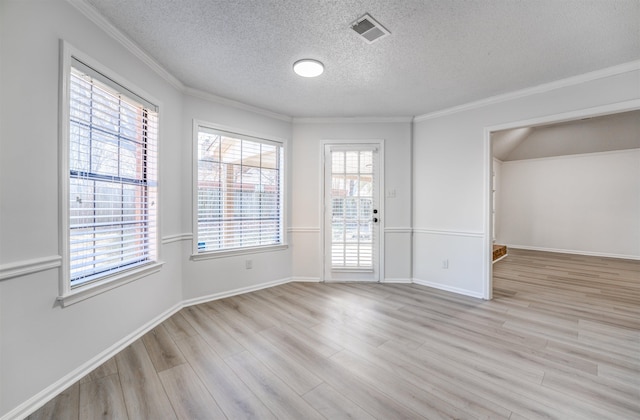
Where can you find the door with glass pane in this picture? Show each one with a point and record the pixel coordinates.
(352, 213)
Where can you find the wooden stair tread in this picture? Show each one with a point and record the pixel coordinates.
(499, 251)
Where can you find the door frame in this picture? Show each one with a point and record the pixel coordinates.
(614, 108)
(323, 205)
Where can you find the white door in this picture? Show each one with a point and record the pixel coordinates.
(352, 215)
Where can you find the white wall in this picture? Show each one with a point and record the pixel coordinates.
(450, 173)
(215, 277)
(44, 346)
(307, 196)
(42, 342)
(587, 203)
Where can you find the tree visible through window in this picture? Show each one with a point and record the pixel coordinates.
(112, 177)
(239, 191)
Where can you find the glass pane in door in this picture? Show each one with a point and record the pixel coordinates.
(352, 209)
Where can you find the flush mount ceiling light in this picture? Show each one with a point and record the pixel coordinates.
(308, 68)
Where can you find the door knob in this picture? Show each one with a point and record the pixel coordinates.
(375, 220)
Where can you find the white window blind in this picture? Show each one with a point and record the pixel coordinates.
(112, 177)
(239, 200)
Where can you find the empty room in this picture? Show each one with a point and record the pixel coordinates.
(289, 209)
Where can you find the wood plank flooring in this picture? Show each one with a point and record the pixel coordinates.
(560, 340)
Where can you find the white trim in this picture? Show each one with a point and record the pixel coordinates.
(391, 280)
(26, 267)
(177, 238)
(96, 17)
(66, 295)
(303, 229)
(449, 233)
(234, 292)
(235, 252)
(613, 108)
(381, 201)
(576, 156)
(234, 104)
(545, 87)
(575, 252)
(235, 130)
(282, 142)
(446, 288)
(398, 230)
(302, 279)
(107, 283)
(47, 394)
(41, 398)
(350, 120)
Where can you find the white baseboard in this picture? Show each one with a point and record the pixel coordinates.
(234, 292)
(306, 279)
(392, 280)
(447, 288)
(47, 394)
(575, 252)
(44, 396)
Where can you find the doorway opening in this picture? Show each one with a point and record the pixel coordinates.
(522, 127)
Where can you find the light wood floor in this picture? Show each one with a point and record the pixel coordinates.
(560, 340)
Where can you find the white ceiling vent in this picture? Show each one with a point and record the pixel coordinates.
(369, 29)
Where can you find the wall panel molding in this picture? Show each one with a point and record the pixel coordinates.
(305, 229)
(177, 238)
(398, 230)
(450, 233)
(26, 267)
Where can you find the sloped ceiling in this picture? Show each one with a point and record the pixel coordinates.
(600, 134)
(440, 53)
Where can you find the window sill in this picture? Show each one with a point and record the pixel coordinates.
(108, 283)
(244, 251)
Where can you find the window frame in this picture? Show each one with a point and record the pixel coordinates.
(246, 135)
(67, 294)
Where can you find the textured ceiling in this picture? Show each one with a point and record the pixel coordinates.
(440, 53)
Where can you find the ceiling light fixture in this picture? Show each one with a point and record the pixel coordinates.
(308, 68)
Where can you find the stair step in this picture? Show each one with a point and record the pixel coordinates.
(499, 251)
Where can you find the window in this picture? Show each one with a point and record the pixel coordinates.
(111, 190)
(239, 191)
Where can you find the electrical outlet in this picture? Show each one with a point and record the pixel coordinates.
(445, 264)
(248, 264)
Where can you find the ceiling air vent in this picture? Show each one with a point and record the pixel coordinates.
(369, 29)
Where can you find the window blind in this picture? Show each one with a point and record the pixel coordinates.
(239, 196)
(112, 177)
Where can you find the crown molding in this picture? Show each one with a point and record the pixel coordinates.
(93, 15)
(235, 104)
(96, 17)
(546, 87)
(347, 120)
